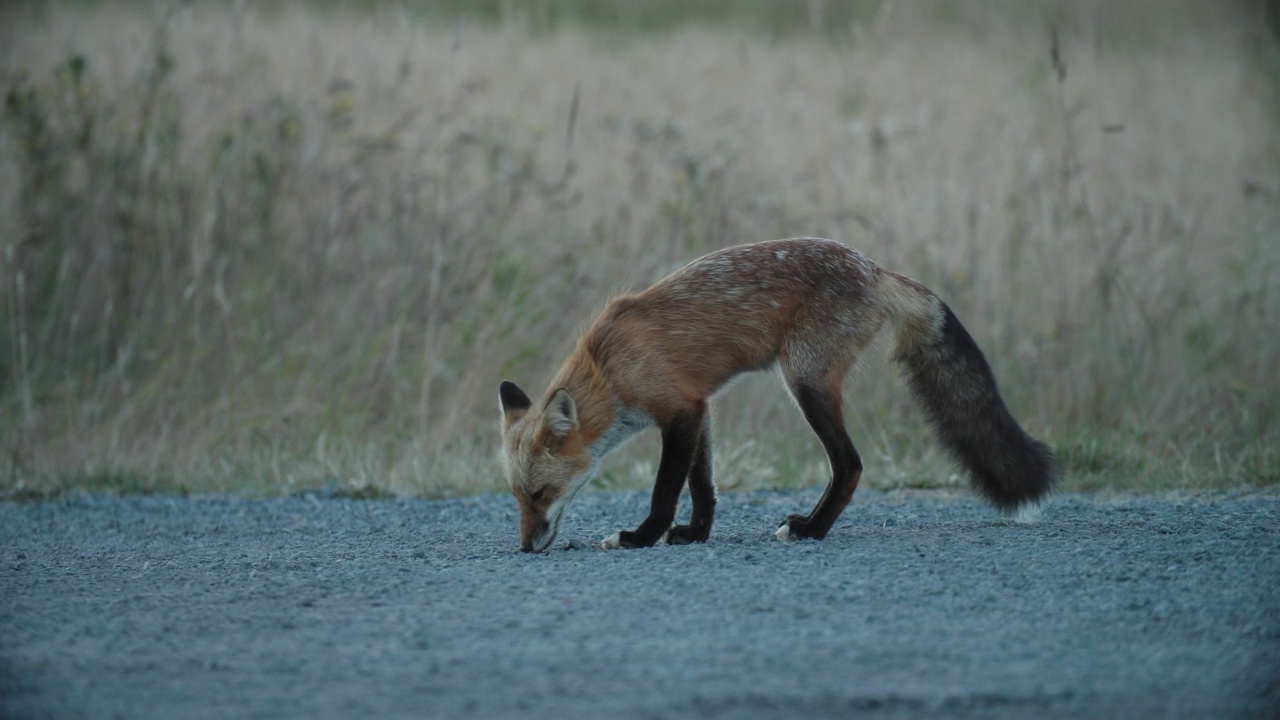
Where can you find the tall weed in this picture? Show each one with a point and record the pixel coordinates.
(279, 249)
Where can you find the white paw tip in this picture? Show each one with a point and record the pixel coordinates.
(611, 542)
(784, 532)
(666, 537)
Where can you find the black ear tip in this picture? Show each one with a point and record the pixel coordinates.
(512, 397)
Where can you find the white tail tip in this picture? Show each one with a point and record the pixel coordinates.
(1027, 513)
(783, 532)
(612, 542)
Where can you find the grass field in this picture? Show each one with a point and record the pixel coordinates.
(266, 247)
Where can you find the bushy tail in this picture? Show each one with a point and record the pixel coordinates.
(950, 377)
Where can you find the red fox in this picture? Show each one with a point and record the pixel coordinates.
(808, 306)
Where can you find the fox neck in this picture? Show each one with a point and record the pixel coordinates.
(626, 423)
(605, 423)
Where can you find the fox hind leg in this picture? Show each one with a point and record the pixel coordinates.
(702, 493)
(823, 410)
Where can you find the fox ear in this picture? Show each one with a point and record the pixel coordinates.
(561, 415)
(513, 401)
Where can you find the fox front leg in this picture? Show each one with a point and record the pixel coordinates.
(679, 445)
(702, 492)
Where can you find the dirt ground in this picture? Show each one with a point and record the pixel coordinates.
(915, 606)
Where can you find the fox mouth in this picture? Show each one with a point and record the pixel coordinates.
(545, 533)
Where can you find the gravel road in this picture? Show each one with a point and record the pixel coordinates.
(915, 606)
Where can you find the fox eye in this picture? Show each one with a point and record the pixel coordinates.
(537, 494)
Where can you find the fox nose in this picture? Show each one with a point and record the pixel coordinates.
(539, 539)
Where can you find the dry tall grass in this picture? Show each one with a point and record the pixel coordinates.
(273, 249)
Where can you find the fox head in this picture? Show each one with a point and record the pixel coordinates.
(546, 459)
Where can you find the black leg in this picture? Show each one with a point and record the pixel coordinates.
(702, 491)
(826, 417)
(679, 443)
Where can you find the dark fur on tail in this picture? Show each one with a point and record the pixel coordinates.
(950, 377)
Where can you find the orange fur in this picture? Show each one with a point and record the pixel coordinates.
(807, 305)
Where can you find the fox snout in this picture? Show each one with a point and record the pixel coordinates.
(538, 538)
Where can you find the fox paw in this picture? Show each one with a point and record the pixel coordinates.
(686, 534)
(626, 539)
(795, 527)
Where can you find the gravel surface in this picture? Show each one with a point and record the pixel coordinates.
(915, 606)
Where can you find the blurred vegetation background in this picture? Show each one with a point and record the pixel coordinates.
(267, 246)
